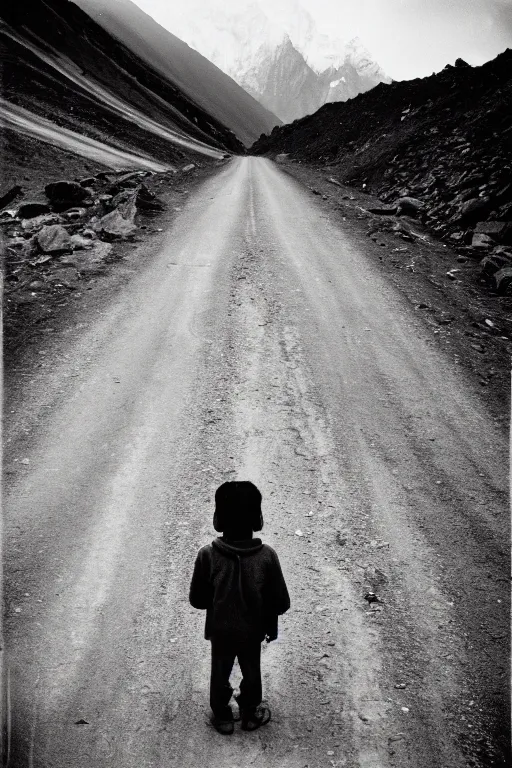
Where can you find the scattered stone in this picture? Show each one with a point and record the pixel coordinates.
(409, 206)
(8, 197)
(54, 239)
(503, 281)
(371, 597)
(188, 168)
(79, 241)
(119, 223)
(89, 261)
(31, 226)
(65, 194)
(29, 210)
(75, 213)
(472, 209)
(89, 181)
(491, 263)
(384, 211)
(494, 228)
(131, 179)
(480, 240)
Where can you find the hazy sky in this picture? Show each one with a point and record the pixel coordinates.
(408, 38)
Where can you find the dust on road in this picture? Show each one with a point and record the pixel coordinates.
(259, 344)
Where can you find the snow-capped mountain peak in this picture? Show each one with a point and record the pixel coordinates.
(274, 49)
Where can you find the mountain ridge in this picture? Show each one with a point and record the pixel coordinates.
(192, 72)
(278, 54)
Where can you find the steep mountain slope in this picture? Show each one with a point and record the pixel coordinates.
(444, 139)
(197, 77)
(59, 64)
(277, 53)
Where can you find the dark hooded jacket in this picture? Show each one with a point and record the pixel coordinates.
(242, 587)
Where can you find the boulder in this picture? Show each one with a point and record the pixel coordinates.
(34, 225)
(473, 208)
(409, 206)
(65, 194)
(503, 281)
(480, 240)
(146, 200)
(283, 157)
(90, 261)
(494, 228)
(10, 195)
(89, 181)
(188, 168)
(53, 238)
(131, 179)
(29, 210)
(493, 262)
(120, 222)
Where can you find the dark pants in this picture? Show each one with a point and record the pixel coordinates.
(223, 657)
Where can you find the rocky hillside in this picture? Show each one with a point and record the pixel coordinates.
(60, 65)
(437, 148)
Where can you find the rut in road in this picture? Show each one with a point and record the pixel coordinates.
(262, 344)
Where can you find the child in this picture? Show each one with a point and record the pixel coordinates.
(240, 583)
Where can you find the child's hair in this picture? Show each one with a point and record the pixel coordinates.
(237, 507)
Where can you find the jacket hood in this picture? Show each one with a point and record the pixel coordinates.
(238, 548)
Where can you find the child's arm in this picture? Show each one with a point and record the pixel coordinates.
(200, 595)
(280, 591)
(277, 600)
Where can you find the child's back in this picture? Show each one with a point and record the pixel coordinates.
(238, 580)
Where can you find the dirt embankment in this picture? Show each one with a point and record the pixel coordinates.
(65, 224)
(442, 143)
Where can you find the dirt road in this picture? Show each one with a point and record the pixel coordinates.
(260, 343)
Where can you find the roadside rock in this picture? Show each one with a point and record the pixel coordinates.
(79, 241)
(34, 225)
(89, 261)
(148, 201)
(282, 157)
(53, 238)
(503, 281)
(65, 194)
(381, 211)
(119, 223)
(144, 199)
(188, 168)
(73, 214)
(410, 206)
(481, 241)
(8, 197)
(472, 209)
(30, 210)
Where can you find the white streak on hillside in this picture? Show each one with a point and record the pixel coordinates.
(69, 69)
(38, 127)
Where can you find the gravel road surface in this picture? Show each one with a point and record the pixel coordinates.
(260, 343)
